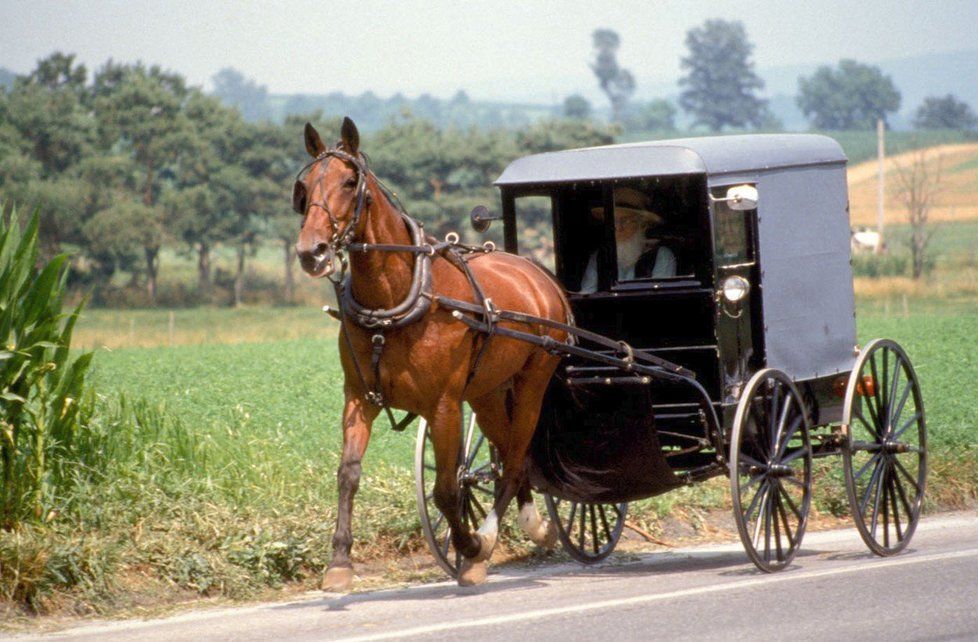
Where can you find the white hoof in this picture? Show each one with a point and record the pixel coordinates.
(540, 531)
(487, 535)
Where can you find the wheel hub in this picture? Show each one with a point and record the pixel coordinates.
(779, 470)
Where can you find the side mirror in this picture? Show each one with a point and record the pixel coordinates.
(481, 218)
(742, 197)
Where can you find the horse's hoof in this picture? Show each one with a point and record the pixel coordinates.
(549, 541)
(337, 579)
(486, 545)
(471, 572)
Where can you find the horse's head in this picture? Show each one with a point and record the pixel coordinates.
(331, 197)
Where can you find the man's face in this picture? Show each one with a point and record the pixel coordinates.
(627, 225)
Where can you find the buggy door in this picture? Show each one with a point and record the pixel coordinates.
(738, 341)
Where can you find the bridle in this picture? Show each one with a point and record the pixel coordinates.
(341, 239)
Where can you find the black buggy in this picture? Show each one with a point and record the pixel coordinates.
(739, 358)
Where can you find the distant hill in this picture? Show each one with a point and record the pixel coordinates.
(6, 77)
(372, 112)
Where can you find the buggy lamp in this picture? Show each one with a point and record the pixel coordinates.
(735, 288)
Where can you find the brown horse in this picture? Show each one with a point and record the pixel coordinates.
(425, 366)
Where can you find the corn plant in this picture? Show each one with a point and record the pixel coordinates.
(41, 386)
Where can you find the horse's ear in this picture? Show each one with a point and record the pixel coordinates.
(350, 136)
(314, 144)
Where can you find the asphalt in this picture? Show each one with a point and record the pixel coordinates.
(835, 589)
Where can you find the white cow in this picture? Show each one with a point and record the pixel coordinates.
(863, 239)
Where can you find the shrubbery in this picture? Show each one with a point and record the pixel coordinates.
(41, 385)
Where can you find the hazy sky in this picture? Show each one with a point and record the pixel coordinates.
(528, 51)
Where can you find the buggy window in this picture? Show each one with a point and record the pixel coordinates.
(732, 232)
(535, 225)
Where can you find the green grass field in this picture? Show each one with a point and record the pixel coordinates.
(214, 463)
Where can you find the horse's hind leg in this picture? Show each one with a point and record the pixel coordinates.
(527, 396)
(358, 416)
(541, 532)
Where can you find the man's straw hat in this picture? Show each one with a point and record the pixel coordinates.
(631, 202)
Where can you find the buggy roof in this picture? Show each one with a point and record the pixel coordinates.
(710, 155)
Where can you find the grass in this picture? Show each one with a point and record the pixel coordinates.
(99, 328)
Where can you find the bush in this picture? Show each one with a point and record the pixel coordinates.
(41, 388)
(877, 265)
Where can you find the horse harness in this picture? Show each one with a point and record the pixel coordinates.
(419, 298)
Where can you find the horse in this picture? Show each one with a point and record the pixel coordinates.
(419, 357)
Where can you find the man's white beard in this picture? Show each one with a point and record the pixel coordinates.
(629, 251)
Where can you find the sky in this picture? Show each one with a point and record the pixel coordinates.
(529, 51)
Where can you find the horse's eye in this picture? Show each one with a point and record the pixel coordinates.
(299, 197)
(350, 183)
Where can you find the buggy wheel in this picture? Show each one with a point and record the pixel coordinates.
(885, 455)
(478, 472)
(771, 469)
(588, 532)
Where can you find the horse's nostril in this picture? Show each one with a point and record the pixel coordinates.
(321, 249)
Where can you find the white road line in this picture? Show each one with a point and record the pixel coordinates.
(658, 597)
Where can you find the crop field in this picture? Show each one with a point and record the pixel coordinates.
(291, 389)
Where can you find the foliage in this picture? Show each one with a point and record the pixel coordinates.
(656, 115)
(877, 265)
(576, 106)
(41, 387)
(616, 82)
(852, 96)
(720, 84)
(944, 112)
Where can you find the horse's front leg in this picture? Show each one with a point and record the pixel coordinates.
(358, 417)
(447, 439)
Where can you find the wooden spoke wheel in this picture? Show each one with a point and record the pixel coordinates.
(588, 532)
(771, 469)
(478, 471)
(885, 455)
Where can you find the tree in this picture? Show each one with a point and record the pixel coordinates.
(194, 204)
(250, 98)
(919, 186)
(657, 115)
(617, 83)
(58, 70)
(577, 106)
(853, 96)
(46, 107)
(720, 83)
(944, 113)
(141, 110)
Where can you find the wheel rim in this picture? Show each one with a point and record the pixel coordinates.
(478, 472)
(588, 532)
(885, 457)
(771, 470)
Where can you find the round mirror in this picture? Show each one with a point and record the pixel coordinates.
(480, 218)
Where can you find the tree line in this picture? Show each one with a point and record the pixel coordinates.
(130, 159)
(720, 90)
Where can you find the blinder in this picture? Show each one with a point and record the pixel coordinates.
(299, 197)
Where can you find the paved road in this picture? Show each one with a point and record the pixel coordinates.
(835, 590)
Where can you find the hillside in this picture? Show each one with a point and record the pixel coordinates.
(957, 199)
